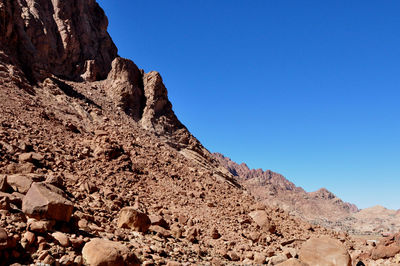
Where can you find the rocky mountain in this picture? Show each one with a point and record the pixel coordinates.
(96, 169)
(274, 189)
(319, 207)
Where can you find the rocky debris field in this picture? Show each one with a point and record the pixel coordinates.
(96, 169)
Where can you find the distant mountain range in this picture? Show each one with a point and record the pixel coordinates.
(319, 207)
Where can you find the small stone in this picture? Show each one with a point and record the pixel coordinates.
(29, 237)
(259, 258)
(49, 260)
(176, 231)
(233, 256)
(39, 226)
(61, 238)
(3, 239)
(3, 183)
(25, 157)
(192, 234)
(21, 183)
(277, 259)
(215, 234)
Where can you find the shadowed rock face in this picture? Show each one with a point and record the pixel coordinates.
(64, 38)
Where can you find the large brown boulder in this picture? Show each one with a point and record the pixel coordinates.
(45, 201)
(102, 252)
(22, 182)
(388, 247)
(131, 218)
(324, 251)
(385, 252)
(262, 220)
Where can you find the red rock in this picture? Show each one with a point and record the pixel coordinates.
(47, 201)
(131, 218)
(39, 226)
(22, 183)
(29, 237)
(191, 234)
(99, 252)
(385, 252)
(324, 251)
(3, 239)
(215, 234)
(158, 220)
(61, 238)
(261, 218)
(3, 183)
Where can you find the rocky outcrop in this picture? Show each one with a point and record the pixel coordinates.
(125, 87)
(66, 38)
(158, 107)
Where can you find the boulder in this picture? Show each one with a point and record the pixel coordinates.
(102, 252)
(22, 182)
(3, 239)
(324, 251)
(13, 198)
(160, 231)
(30, 157)
(131, 218)
(42, 226)
(3, 183)
(259, 258)
(261, 218)
(61, 238)
(158, 220)
(45, 201)
(385, 252)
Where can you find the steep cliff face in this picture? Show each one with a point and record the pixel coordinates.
(68, 39)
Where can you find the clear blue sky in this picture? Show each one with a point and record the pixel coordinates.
(309, 89)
